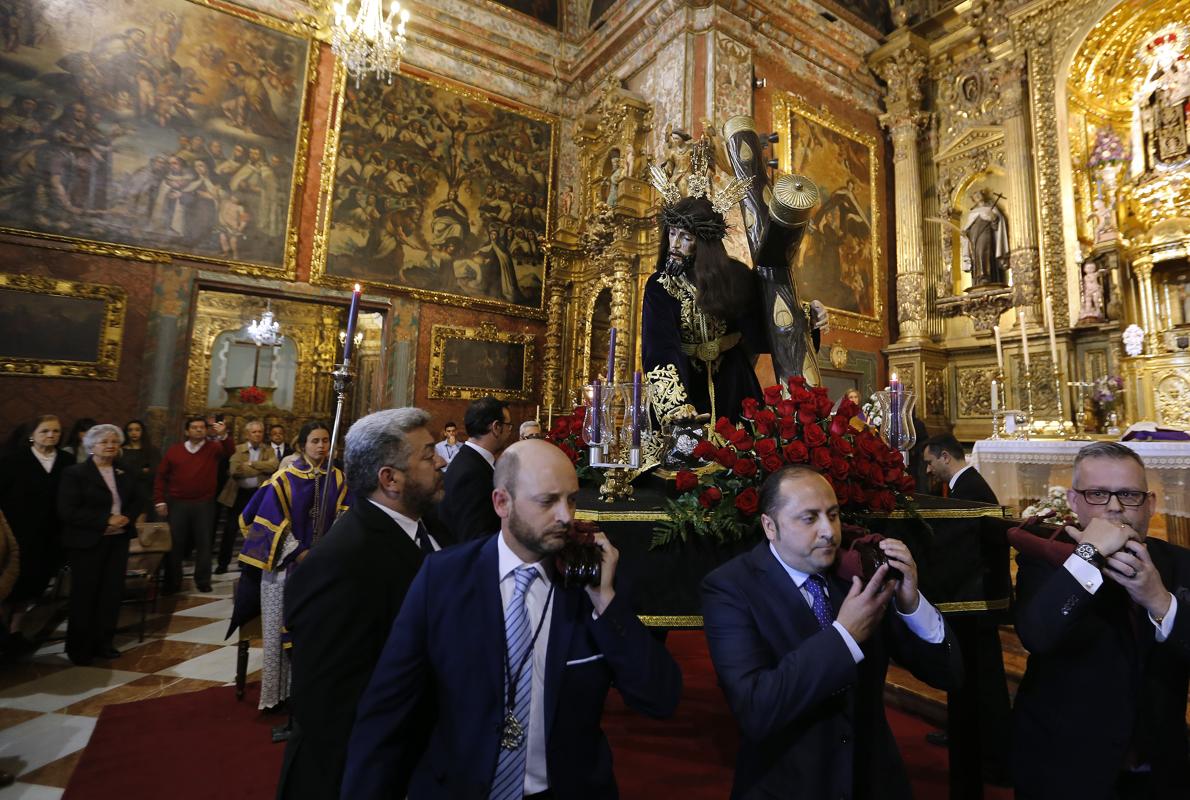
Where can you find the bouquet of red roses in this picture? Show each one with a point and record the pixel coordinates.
(567, 433)
(796, 424)
(251, 395)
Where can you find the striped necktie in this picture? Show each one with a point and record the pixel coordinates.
(509, 783)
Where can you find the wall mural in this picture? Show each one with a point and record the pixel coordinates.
(839, 260)
(436, 191)
(165, 125)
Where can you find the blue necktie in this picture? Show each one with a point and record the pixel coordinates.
(816, 586)
(509, 783)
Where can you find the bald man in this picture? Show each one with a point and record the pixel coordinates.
(516, 666)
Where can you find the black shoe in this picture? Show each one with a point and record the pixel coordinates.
(938, 738)
(281, 733)
(221, 569)
(205, 588)
(78, 660)
(6, 778)
(107, 652)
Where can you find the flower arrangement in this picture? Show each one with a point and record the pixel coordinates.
(871, 411)
(1053, 508)
(1106, 391)
(251, 395)
(1108, 150)
(567, 433)
(796, 424)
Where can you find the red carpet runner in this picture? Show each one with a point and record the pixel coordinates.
(205, 744)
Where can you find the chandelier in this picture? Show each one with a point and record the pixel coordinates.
(368, 42)
(265, 332)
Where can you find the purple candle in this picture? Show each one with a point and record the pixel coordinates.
(636, 410)
(611, 356)
(596, 410)
(352, 318)
(894, 422)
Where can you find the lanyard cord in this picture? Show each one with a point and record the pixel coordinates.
(513, 680)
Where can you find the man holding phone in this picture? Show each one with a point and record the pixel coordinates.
(801, 655)
(1101, 711)
(184, 491)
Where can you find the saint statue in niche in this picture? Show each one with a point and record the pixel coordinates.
(1092, 290)
(614, 179)
(985, 240)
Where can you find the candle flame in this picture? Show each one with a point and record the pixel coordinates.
(893, 378)
(357, 288)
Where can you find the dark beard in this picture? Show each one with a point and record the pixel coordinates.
(675, 265)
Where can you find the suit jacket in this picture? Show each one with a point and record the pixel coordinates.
(811, 720)
(448, 644)
(85, 504)
(1098, 684)
(466, 505)
(286, 450)
(240, 466)
(340, 603)
(972, 486)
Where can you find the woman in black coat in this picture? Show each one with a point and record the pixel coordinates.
(29, 477)
(98, 504)
(140, 458)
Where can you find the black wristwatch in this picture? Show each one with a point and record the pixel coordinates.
(1087, 552)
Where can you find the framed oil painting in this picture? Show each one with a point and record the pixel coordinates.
(470, 363)
(57, 328)
(436, 191)
(160, 127)
(839, 261)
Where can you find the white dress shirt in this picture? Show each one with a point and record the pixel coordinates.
(487, 456)
(1089, 576)
(193, 448)
(955, 477)
(925, 622)
(408, 525)
(536, 774)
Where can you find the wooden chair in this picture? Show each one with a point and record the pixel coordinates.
(142, 577)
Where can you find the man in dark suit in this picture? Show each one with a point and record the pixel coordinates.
(516, 665)
(979, 713)
(278, 444)
(946, 461)
(466, 507)
(802, 656)
(1101, 711)
(341, 600)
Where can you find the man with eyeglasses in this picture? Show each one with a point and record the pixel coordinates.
(467, 506)
(1101, 711)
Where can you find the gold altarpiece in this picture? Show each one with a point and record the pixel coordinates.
(1008, 97)
(601, 250)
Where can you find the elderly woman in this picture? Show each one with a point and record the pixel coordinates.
(280, 524)
(98, 504)
(29, 477)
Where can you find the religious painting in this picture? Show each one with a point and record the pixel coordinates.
(57, 328)
(469, 363)
(165, 127)
(436, 191)
(839, 260)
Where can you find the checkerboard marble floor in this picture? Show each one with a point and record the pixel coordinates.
(48, 706)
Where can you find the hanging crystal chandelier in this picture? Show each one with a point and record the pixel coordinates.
(368, 42)
(265, 332)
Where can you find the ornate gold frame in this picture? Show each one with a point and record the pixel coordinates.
(486, 332)
(107, 366)
(301, 29)
(326, 189)
(787, 103)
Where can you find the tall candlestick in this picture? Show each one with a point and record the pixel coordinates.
(611, 356)
(1021, 314)
(352, 318)
(999, 349)
(596, 412)
(1049, 324)
(636, 410)
(995, 397)
(537, 414)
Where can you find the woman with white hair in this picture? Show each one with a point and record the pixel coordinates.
(97, 504)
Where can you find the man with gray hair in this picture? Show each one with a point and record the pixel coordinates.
(249, 468)
(1101, 711)
(341, 600)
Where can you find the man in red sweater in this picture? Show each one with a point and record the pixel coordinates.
(187, 481)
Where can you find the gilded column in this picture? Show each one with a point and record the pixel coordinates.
(621, 311)
(903, 72)
(1022, 223)
(552, 360)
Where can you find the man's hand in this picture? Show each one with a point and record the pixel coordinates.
(1132, 567)
(117, 521)
(162, 509)
(864, 606)
(220, 429)
(900, 558)
(601, 595)
(1107, 537)
(818, 315)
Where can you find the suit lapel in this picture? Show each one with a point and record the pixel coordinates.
(797, 616)
(491, 623)
(563, 624)
(383, 525)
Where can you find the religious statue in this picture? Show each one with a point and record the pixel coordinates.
(630, 161)
(614, 179)
(1092, 290)
(985, 240)
(676, 160)
(566, 201)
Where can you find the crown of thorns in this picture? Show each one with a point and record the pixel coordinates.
(706, 229)
(698, 182)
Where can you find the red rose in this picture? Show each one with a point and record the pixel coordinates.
(859, 495)
(771, 463)
(726, 456)
(824, 405)
(742, 441)
(685, 480)
(748, 501)
(750, 407)
(569, 451)
(709, 496)
(847, 408)
(704, 450)
(787, 429)
(841, 445)
(772, 395)
(892, 477)
(839, 425)
(908, 484)
(765, 447)
(839, 468)
(766, 416)
(800, 396)
(787, 408)
(796, 381)
(871, 444)
(807, 415)
(745, 468)
(795, 452)
(813, 435)
(820, 458)
(763, 428)
(882, 501)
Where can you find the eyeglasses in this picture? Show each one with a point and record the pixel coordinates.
(1101, 497)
